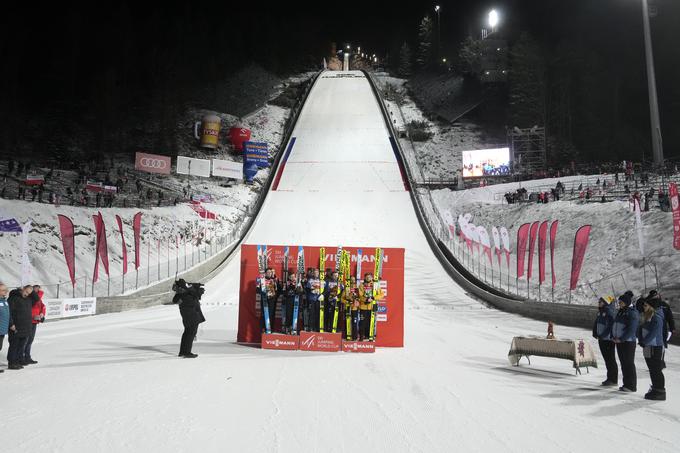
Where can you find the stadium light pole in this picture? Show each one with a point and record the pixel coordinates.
(657, 143)
(437, 8)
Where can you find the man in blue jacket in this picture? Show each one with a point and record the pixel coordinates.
(651, 340)
(624, 333)
(602, 330)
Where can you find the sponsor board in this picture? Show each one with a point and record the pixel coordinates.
(68, 308)
(316, 341)
(152, 163)
(227, 169)
(281, 342)
(358, 346)
(193, 167)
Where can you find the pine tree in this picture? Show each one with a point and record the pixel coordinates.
(470, 56)
(405, 60)
(424, 56)
(527, 83)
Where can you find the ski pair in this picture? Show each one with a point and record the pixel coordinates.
(348, 306)
(262, 260)
(377, 274)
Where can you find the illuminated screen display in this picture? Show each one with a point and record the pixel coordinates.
(486, 162)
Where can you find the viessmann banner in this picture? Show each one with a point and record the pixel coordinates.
(390, 319)
(227, 169)
(152, 163)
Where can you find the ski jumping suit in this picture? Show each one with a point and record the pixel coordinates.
(332, 299)
(312, 304)
(290, 290)
(268, 286)
(350, 299)
(366, 302)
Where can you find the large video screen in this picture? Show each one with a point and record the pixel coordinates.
(486, 162)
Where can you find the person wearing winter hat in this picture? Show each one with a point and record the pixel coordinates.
(602, 330)
(624, 332)
(669, 322)
(651, 339)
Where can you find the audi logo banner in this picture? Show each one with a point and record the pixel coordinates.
(152, 163)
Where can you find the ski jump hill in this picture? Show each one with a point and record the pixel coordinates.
(114, 382)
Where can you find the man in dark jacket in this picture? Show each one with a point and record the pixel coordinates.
(20, 306)
(188, 297)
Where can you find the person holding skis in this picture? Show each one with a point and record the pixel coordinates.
(350, 299)
(602, 330)
(624, 334)
(268, 287)
(366, 302)
(331, 293)
(314, 292)
(290, 290)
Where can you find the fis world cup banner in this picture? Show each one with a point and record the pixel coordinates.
(390, 315)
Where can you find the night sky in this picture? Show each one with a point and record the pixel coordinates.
(47, 50)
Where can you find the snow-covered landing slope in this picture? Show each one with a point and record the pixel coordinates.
(114, 382)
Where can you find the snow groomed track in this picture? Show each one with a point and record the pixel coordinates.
(114, 382)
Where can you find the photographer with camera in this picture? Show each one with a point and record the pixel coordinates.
(188, 296)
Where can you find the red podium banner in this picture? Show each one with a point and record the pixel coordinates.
(323, 342)
(390, 317)
(281, 342)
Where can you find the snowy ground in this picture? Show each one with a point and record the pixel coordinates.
(114, 382)
(441, 156)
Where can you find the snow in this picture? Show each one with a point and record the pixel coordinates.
(113, 381)
(441, 156)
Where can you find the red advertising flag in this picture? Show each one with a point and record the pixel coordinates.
(553, 237)
(675, 207)
(532, 247)
(103, 247)
(542, 236)
(137, 230)
(98, 233)
(152, 163)
(580, 245)
(68, 242)
(522, 236)
(122, 238)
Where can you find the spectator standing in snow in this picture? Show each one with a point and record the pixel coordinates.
(668, 321)
(624, 333)
(651, 340)
(188, 297)
(37, 316)
(20, 325)
(602, 330)
(4, 315)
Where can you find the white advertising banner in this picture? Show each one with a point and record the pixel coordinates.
(193, 167)
(67, 308)
(227, 169)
